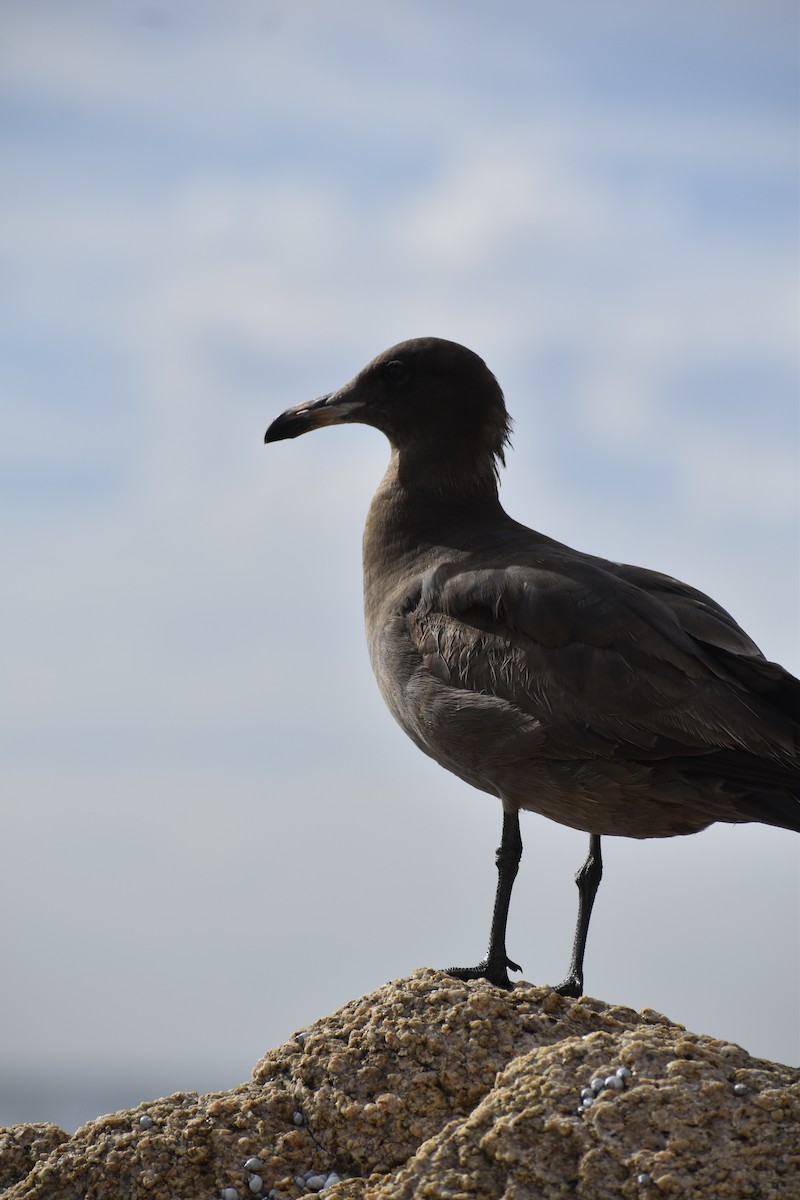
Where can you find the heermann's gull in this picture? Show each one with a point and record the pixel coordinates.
(608, 697)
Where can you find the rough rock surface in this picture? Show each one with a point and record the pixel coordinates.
(430, 1087)
(24, 1146)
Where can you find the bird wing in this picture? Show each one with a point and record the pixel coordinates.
(608, 660)
(698, 615)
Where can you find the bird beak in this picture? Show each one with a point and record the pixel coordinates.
(327, 410)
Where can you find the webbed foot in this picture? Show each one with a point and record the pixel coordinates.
(496, 972)
(572, 986)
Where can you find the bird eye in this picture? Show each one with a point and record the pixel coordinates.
(395, 371)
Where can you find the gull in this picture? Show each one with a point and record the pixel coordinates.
(607, 697)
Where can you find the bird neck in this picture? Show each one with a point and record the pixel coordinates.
(451, 471)
(415, 512)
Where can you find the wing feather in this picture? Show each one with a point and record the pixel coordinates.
(610, 659)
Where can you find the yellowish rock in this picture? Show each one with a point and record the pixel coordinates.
(433, 1087)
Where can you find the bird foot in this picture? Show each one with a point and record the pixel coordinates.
(572, 986)
(494, 971)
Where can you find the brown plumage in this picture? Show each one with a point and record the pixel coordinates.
(607, 697)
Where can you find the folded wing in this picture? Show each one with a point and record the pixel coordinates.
(611, 660)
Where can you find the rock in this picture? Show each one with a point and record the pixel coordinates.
(23, 1146)
(432, 1087)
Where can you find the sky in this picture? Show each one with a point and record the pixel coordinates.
(213, 832)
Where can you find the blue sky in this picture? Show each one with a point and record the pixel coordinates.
(214, 833)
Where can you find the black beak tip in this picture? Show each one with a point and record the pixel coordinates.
(280, 429)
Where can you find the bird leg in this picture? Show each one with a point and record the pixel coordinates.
(495, 966)
(588, 881)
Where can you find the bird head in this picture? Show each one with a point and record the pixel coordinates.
(436, 402)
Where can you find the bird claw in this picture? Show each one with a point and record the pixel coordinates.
(494, 972)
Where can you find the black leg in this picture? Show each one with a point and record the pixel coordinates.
(495, 966)
(588, 881)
